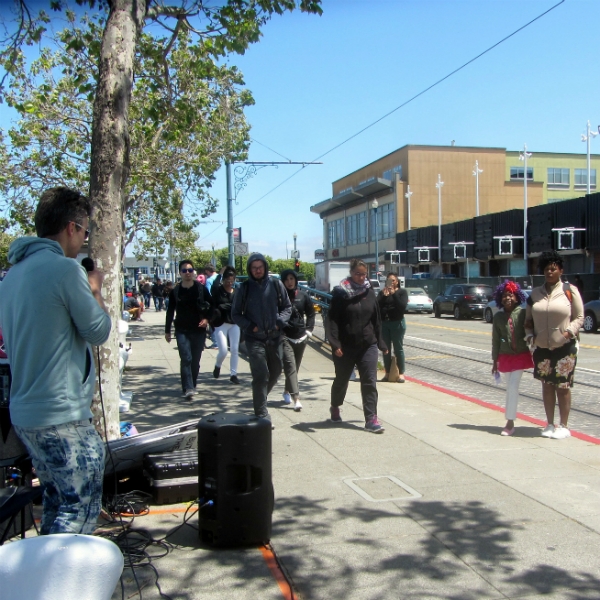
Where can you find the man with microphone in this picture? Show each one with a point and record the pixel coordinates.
(50, 355)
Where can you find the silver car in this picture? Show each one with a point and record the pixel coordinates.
(419, 301)
(591, 316)
(491, 309)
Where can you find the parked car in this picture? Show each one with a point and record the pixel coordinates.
(376, 285)
(591, 316)
(418, 301)
(491, 309)
(463, 300)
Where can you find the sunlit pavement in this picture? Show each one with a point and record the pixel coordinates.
(439, 506)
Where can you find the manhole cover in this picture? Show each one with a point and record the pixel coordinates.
(383, 488)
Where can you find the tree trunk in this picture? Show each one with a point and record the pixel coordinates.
(108, 176)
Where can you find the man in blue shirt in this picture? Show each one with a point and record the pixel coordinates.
(50, 355)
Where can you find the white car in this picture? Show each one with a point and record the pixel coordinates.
(491, 309)
(419, 301)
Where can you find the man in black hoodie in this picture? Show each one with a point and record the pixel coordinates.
(262, 308)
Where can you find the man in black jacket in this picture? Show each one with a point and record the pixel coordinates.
(261, 308)
(193, 305)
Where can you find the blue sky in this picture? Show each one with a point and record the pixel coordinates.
(318, 80)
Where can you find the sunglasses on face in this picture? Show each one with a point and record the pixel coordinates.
(86, 231)
(187, 270)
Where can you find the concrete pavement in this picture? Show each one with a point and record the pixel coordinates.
(439, 506)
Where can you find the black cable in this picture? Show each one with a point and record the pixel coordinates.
(405, 103)
(269, 547)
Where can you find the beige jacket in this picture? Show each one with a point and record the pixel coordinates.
(551, 315)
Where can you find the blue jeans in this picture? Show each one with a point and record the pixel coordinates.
(69, 461)
(266, 364)
(158, 302)
(190, 345)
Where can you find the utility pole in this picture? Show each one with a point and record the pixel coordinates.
(588, 137)
(407, 196)
(524, 156)
(476, 173)
(439, 186)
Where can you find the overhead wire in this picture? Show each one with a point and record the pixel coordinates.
(405, 103)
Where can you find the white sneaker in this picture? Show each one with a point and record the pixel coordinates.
(189, 394)
(297, 406)
(560, 433)
(287, 399)
(548, 431)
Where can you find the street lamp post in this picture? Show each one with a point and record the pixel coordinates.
(588, 137)
(375, 206)
(439, 186)
(524, 156)
(407, 196)
(476, 173)
(295, 237)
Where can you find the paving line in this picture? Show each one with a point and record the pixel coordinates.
(576, 434)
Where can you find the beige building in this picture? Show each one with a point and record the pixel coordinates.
(349, 217)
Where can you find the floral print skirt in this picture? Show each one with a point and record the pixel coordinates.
(556, 367)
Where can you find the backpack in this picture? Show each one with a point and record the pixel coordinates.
(203, 306)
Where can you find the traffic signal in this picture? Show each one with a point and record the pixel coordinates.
(297, 266)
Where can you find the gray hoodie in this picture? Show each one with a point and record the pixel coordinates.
(49, 318)
(261, 303)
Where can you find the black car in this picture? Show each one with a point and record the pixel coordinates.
(463, 300)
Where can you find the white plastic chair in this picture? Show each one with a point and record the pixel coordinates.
(61, 566)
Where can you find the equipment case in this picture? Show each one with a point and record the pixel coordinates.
(173, 476)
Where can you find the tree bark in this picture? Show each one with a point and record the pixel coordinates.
(108, 175)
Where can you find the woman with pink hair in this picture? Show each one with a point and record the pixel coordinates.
(510, 352)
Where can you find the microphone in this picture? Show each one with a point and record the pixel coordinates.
(88, 264)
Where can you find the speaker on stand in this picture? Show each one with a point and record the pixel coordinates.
(234, 476)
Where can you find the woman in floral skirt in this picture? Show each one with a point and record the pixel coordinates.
(554, 317)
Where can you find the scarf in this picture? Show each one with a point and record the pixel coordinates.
(354, 289)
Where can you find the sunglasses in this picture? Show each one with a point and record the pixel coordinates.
(187, 270)
(86, 231)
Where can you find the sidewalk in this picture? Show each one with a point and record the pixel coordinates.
(439, 506)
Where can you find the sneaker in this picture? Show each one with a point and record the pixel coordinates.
(506, 431)
(548, 431)
(234, 379)
(297, 406)
(216, 372)
(560, 433)
(287, 399)
(189, 394)
(334, 411)
(373, 425)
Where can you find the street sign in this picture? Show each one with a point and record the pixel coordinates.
(240, 248)
(237, 234)
(295, 253)
(319, 254)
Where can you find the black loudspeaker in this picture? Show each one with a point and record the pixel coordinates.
(234, 474)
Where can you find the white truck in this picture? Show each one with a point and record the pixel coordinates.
(329, 274)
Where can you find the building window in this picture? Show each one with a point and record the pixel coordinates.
(581, 178)
(335, 233)
(357, 228)
(558, 177)
(518, 173)
(391, 172)
(386, 221)
(144, 270)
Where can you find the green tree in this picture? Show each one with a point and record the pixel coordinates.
(131, 29)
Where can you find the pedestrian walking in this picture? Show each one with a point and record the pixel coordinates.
(52, 365)
(191, 305)
(354, 332)
(146, 290)
(510, 353)
(554, 317)
(225, 328)
(157, 295)
(392, 304)
(262, 308)
(295, 336)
